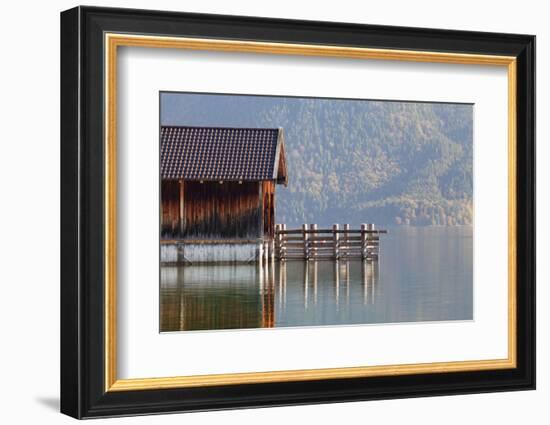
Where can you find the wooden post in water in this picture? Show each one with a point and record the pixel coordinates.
(372, 248)
(277, 240)
(314, 242)
(309, 242)
(283, 244)
(346, 239)
(306, 243)
(364, 238)
(336, 241)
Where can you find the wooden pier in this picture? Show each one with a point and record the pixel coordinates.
(312, 243)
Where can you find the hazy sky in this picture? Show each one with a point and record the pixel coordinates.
(198, 109)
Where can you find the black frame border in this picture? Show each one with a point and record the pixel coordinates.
(82, 212)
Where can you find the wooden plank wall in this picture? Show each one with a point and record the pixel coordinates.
(211, 211)
(268, 207)
(170, 215)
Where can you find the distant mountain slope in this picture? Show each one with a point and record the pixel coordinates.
(355, 161)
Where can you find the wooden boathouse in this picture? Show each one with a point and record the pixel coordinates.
(218, 192)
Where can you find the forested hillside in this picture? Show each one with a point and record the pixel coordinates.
(355, 161)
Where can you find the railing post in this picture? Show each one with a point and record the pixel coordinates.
(314, 242)
(336, 240)
(283, 243)
(260, 255)
(364, 237)
(372, 248)
(306, 244)
(277, 241)
(346, 240)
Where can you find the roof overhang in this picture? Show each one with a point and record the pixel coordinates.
(280, 174)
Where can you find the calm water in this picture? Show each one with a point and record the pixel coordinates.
(423, 274)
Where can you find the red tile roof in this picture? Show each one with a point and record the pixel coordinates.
(220, 153)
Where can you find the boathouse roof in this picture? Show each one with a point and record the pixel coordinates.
(222, 153)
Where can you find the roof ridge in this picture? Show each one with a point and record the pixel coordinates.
(221, 127)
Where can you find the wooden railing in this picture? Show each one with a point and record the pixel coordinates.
(309, 242)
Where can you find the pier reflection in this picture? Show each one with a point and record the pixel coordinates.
(275, 294)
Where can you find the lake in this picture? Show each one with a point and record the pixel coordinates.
(423, 274)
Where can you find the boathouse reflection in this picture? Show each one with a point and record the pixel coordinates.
(241, 296)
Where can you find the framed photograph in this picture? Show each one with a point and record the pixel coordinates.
(261, 212)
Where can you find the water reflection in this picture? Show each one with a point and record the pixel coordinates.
(248, 296)
(422, 275)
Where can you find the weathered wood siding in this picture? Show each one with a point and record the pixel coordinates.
(211, 210)
(170, 215)
(268, 208)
